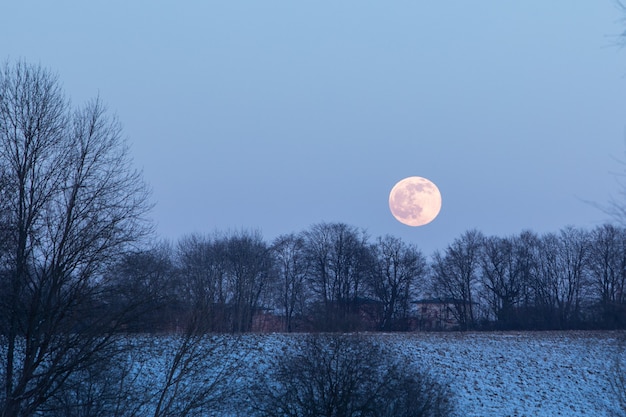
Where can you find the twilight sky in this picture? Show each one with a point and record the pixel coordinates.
(275, 115)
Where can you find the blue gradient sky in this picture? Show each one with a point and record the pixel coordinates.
(275, 115)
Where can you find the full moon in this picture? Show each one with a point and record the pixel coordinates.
(415, 201)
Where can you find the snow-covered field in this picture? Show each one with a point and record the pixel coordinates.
(504, 373)
(522, 374)
(512, 373)
(500, 374)
(491, 374)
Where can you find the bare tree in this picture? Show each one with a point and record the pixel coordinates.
(229, 275)
(455, 276)
(203, 270)
(251, 274)
(528, 255)
(399, 268)
(607, 265)
(345, 376)
(73, 204)
(340, 261)
(292, 268)
(502, 277)
(563, 276)
(147, 279)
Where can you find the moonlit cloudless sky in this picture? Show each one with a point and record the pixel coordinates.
(276, 115)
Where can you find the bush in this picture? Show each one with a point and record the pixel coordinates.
(347, 375)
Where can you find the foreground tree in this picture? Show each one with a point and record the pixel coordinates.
(72, 203)
(200, 370)
(616, 377)
(345, 376)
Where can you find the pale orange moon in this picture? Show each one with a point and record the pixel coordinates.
(415, 201)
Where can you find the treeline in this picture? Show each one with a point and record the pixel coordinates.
(570, 279)
(334, 277)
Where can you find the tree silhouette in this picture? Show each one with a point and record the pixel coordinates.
(72, 203)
